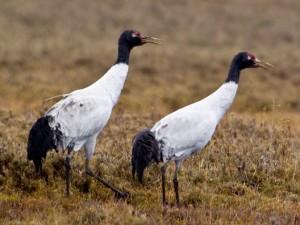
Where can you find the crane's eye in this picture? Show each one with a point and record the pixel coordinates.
(250, 57)
(135, 34)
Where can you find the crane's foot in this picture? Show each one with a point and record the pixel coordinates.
(118, 194)
(122, 194)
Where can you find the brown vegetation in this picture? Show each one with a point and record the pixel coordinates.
(248, 174)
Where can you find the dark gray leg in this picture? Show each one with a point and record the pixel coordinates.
(89, 150)
(118, 193)
(163, 175)
(68, 168)
(175, 182)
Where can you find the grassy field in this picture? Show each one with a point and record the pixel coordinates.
(248, 174)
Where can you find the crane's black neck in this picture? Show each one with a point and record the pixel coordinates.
(234, 74)
(123, 53)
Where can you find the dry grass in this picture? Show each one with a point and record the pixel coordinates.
(248, 174)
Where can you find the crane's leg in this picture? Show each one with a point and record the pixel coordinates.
(163, 176)
(89, 150)
(175, 181)
(118, 193)
(68, 168)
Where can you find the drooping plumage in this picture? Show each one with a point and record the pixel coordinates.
(39, 142)
(187, 130)
(145, 149)
(76, 120)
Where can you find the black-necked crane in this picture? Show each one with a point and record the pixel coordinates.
(76, 120)
(187, 130)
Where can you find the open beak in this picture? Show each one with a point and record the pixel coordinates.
(152, 40)
(265, 65)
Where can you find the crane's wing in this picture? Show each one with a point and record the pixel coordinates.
(80, 117)
(185, 129)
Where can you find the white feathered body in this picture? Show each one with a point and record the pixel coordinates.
(80, 116)
(189, 129)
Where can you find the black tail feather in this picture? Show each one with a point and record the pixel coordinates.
(145, 151)
(40, 141)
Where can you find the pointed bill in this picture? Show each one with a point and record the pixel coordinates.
(265, 65)
(152, 40)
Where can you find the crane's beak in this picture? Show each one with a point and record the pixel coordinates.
(152, 40)
(265, 65)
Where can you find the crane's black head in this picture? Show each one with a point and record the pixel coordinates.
(245, 60)
(130, 39)
(134, 38)
(242, 61)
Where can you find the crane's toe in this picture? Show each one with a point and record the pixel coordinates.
(122, 194)
(89, 172)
